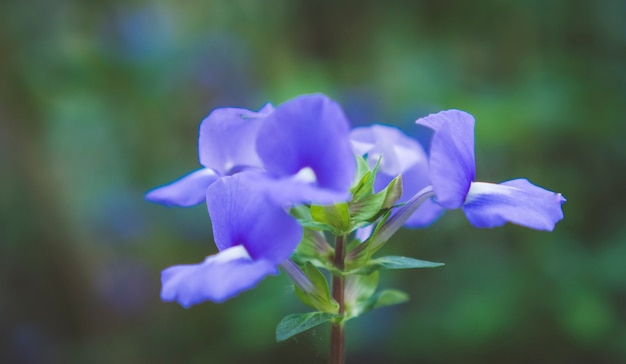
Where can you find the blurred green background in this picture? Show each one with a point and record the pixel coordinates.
(100, 101)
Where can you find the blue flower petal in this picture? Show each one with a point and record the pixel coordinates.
(243, 214)
(399, 152)
(413, 181)
(452, 167)
(364, 233)
(187, 191)
(517, 201)
(309, 131)
(228, 138)
(217, 279)
(293, 190)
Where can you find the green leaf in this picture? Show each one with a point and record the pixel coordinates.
(303, 214)
(361, 296)
(362, 266)
(393, 192)
(360, 255)
(360, 287)
(313, 245)
(387, 297)
(396, 262)
(294, 324)
(337, 216)
(358, 292)
(362, 169)
(315, 225)
(319, 300)
(365, 187)
(370, 208)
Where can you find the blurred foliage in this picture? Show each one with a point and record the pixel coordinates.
(100, 101)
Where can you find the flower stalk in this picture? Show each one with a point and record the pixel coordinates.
(337, 333)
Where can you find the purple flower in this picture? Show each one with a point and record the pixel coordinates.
(399, 154)
(227, 144)
(452, 172)
(305, 147)
(302, 147)
(253, 236)
(256, 165)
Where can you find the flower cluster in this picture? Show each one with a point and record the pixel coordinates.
(276, 179)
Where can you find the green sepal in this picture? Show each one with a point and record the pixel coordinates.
(393, 262)
(361, 295)
(362, 253)
(312, 247)
(387, 297)
(294, 324)
(370, 208)
(358, 292)
(336, 216)
(365, 186)
(303, 214)
(362, 168)
(320, 300)
(314, 225)
(397, 262)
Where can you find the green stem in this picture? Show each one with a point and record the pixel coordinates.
(337, 334)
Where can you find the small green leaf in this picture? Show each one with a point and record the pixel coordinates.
(294, 324)
(310, 224)
(313, 245)
(360, 287)
(337, 216)
(364, 266)
(393, 192)
(319, 300)
(370, 208)
(365, 187)
(387, 297)
(303, 214)
(361, 254)
(362, 168)
(396, 262)
(358, 292)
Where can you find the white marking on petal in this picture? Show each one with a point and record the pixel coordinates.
(306, 175)
(360, 148)
(478, 189)
(228, 165)
(228, 255)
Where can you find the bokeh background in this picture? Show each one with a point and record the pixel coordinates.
(100, 101)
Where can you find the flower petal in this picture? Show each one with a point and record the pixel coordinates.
(452, 167)
(308, 131)
(227, 138)
(288, 192)
(413, 181)
(242, 214)
(364, 233)
(187, 191)
(217, 279)
(399, 152)
(517, 201)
